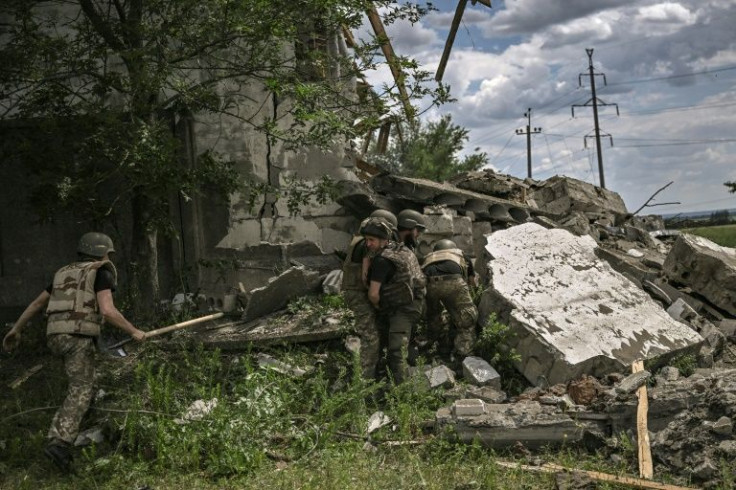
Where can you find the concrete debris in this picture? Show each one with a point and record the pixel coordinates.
(562, 195)
(266, 361)
(570, 312)
(89, 436)
(489, 182)
(293, 283)
(633, 382)
(198, 410)
(722, 426)
(707, 268)
(426, 192)
(332, 283)
(501, 426)
(440, 376)
(376, 421)
(637, 254)
(469, 407)
(352, 344)
(478, 372)
(488, 394)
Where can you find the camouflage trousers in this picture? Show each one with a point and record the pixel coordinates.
(397, 324)
(78, 354)
(366, 328)
(453, 293)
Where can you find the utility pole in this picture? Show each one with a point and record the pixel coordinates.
(528, 132)
(594, 102)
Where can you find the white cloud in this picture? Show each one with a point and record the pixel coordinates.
(529, 55)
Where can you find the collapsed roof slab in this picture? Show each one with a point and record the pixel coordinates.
(570, 313)
(427, 193)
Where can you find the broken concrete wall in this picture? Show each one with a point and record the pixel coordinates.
(247, 240)
(707, 268)
(570, 312)
(562, 195)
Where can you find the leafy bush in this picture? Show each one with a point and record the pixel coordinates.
(493, 346)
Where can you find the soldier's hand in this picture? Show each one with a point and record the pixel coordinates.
(139, 335)
(11, 340)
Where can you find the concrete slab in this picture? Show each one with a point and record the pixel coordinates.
(570, 312)
(706, 267)
(501, 426)
(295, 282)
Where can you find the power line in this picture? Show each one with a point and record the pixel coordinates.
(673, 77)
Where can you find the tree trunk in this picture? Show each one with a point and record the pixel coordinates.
(144, 258)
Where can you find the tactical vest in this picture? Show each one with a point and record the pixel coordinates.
(352, 272)
(407, 283)
(73, 305)
(451, 254)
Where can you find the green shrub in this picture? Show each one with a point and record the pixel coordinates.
(493, 346)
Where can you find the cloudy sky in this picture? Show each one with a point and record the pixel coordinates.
(670, 67)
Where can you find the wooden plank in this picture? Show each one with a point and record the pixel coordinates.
(450, 39)
(388, 52)
(383, 134)
(595, 475)
(24, 377)
(646, 467)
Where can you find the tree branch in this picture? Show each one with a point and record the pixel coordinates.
(101, 26)
(652, 197)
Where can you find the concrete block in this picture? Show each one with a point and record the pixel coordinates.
(633, 382)
(439, 224)
(440, 376)
(469, 407)
(478, 372)
(707, 268)
(572, 312)
(505, 425)
(462, 225)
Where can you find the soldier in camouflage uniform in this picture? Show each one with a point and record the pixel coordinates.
(355, 291)
(77, 303)
(396, 289)
(448, 270)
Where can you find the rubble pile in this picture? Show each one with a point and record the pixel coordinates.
(586, 289)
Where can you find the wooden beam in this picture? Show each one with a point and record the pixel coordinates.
(349, 39)
(646, 468)
(383, 134)
(366, 142)
(595, 475)
(388, 52)
(450, 39)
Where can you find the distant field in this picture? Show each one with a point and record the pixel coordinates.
(722, 235)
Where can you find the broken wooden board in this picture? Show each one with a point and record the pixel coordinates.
(280, 328)
(646, 468)
(594, 475)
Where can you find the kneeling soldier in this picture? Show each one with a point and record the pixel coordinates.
(447, 272)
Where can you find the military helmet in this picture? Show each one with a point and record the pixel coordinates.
(95, 244)
(410, 219)
(376, 227)
(385, 215)
(444, 244)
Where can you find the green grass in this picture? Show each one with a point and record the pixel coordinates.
(724, 235)
(268, 430)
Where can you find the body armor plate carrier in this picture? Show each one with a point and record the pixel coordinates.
(408, 283)
(452, 254)
(73, 305)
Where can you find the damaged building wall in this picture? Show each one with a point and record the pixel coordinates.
(220, 244)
